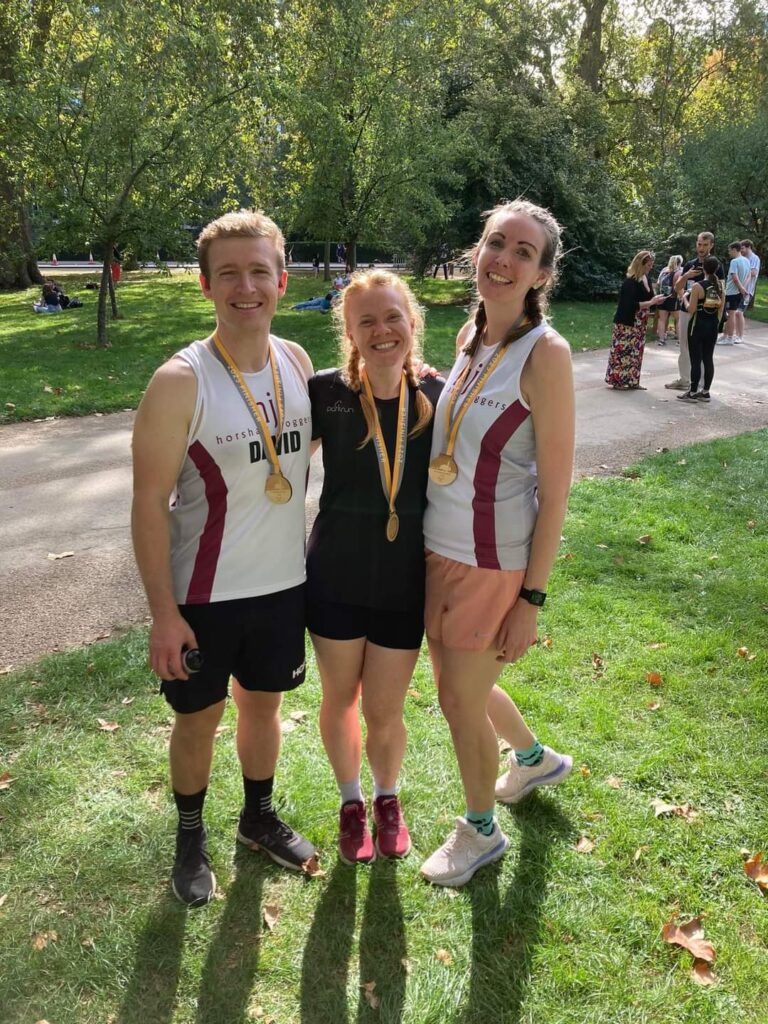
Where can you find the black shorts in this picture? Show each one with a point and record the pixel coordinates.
(258, 640)
(668, 305)
(734, 301)
(399, 631)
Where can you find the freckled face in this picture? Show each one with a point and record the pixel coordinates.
(508, 261)
(380, 326)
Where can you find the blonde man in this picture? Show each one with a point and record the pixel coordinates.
(223, 434)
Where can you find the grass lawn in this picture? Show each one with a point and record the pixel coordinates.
(50, 367)
(89, 932)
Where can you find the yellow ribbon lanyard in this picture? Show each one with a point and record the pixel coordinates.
(391, 477)
(278, 489)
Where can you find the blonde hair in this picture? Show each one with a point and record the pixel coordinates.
(239, 224)
(349, 355)
(536, 305)
(635, 268)
(675, 262)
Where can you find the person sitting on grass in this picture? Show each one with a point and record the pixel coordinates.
(49, 303)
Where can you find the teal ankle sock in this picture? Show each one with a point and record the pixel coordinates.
(481, 820)
(531, 755)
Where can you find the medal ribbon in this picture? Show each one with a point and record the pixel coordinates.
(245, 393)
(391, 478)
(452, 423)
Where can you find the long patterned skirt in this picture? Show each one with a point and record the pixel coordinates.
(626, 355)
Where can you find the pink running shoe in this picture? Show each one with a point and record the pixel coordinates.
(355, 842)
(392, 836)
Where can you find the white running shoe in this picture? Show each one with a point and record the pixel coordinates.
(738, 340)
(518, 780)
(464, 851)
(725, 340)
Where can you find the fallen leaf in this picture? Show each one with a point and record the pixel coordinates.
(271, 914)
(742, 651)
(585, 771)
(10, 405)
(691, 937)
(654, 678)
(5, 670)
(298, 716)
(645, 539)
(751, 657)
(406, 964)
(614, 783)
(663, 809)
(6, 779)
(312, 868)
(654, 705)
(257, 1013)
(372, 1000)
(288, 725)
(682, 462)
(414, 693)
(546, 642)
(757, 869)
(127, 700)
(703, 974)
(88, 943)
(619, 560)
(119, 774)
(639, 853)
(714, 558)
(3, 898)
(661, 450)
(41, 939)
(603, 546)
(751, 524)
(107, 726)
(567, 556)
(48, 389)
(585, 845)
(603, 466)
(63, 554)
(444, 956)
(597, 662)
(656, 647)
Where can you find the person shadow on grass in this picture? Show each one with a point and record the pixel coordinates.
(506, 927)
(151, 994)
(327, 954)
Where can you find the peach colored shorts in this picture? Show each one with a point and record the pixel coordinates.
(465, 606)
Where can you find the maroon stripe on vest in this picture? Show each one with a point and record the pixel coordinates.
(209, 545)
(486, 475)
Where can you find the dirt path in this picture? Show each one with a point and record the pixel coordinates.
(65, 486)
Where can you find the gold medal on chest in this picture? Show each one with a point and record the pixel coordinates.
(393, 525)
(278, 489)
(443, 470)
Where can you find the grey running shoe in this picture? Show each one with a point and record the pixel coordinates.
(677, 385)
(276, 839)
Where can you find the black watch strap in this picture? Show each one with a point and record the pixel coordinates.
(537, 597)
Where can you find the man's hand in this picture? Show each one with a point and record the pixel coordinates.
(168, 636)
(518, 632)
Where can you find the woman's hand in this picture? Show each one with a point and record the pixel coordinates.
(518, 632)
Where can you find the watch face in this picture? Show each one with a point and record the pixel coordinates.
(537, 597)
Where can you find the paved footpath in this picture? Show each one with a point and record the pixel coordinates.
(65, 486)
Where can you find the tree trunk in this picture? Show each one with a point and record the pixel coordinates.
(102, 339)
(591, 57)
(352, 256)
(18, 264)
(327, 262)
(112, 296)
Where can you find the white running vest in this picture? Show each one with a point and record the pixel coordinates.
(228, 540)
(487, 515)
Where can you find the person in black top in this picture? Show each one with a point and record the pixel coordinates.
(636, 298)
(365, 557)
(705, 306)
(705, 243)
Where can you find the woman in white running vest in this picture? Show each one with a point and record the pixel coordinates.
(502, 459)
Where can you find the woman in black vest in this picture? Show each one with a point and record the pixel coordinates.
(705, 305)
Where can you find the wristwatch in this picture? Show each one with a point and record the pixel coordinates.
(537, 597)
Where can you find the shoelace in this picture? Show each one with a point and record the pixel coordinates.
(354, 822)
(390, 812)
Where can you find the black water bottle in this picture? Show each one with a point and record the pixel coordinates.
(192, 660)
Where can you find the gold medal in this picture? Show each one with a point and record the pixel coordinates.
(393, 525)
(278, 489)
(443, 470)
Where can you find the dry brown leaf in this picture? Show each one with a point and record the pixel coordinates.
(64, 554)
(567, 556)
(88, 943)
(406, 964)
(586, 771)
(603, 546)
(654, 678)
(742, 651)
(546, 641)
(3, 898)
(41, 939)
(370, 998)
(48, 389)
(312, 868)
(691, 937)
(271, 914)
(751, 657)
(119, 774)
(703, 974)
(106, 726)
(662, 809)
(597, 662)
(639, 853)
(5, 670)
(654, 705)
(656, 646)
(444, 956)
(645, 539)
(6, 779)
(614, 782)
(41, 1022)
(127, 700)
(288, 725)
(682, 462)
(585, 845)
(414, 693)
(751, 524)
(757, 869)
(298, 716)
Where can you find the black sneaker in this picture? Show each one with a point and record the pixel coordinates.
(275, 838)
(687, 396)
(703, 396)
(192, 879)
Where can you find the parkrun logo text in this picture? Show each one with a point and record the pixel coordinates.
(289, 442)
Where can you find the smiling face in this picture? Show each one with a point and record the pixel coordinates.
(379, 325)
(508, 259)
(244, 283)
